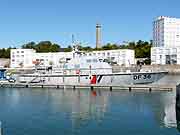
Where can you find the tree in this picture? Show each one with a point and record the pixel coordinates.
(5, 53)
(109, 46)
(43, 46)
(30, 45)
(54, 48)
(142, 48)
(68, 49)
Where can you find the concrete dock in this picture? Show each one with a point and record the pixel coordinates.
(142, 87)
(171, 69)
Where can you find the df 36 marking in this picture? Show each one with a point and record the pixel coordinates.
(142, 76)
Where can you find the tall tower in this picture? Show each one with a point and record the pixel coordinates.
(98, 36)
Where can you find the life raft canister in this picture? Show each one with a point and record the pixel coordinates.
(64, 72)
(78, 72)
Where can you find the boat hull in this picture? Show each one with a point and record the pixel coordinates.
(102, 79)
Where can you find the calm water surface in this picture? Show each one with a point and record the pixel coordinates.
(82, 112)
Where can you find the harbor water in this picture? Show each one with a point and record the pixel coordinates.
(40, 111)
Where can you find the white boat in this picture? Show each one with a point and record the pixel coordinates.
(90, 70)
(6, 77)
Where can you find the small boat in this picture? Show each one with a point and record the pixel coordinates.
(6, 77)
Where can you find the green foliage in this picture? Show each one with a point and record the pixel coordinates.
(68, 49)
(5, 53)
(142, 48)
(110, 47)
(30, 45)
(43, 46)
(87, 48)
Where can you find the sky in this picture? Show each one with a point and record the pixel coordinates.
(23, 21)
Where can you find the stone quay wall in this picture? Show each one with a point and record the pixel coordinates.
(171, 69)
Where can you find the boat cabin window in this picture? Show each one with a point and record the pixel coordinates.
(92, 60)
(65, 66)
(76, 66)
(95, 60)
(88, 60)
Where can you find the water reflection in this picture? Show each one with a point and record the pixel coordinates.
(52, 111)
(80, 106)
(87, 106)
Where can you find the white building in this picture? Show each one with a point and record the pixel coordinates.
(166, 41)
(121, 56)
(166, 32)
(54, 59)
(27, 58)
(22, 57)
(165, 55)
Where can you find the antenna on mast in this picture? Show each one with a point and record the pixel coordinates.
(73, 39)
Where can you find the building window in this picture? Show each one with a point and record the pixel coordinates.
(167, 51)
(76, 66)
(112, 58)
(173, 59)
(88, 61)
(95, 60)
(174, 51)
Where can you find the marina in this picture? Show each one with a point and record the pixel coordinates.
(89, 67)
